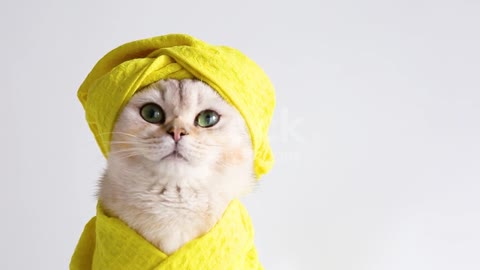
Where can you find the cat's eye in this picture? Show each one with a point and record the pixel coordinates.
(152, 113)
(207, 118)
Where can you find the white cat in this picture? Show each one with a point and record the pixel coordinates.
(179, 155)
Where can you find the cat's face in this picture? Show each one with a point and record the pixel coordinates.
(182, 129)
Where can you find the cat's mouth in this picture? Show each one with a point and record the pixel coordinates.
(174, 155)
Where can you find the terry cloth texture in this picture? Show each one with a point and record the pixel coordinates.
(108, 243)
(132, 66)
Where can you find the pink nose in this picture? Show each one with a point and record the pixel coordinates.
(177, 133)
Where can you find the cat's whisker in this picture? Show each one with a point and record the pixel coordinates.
(140, 143)
(139, 151)
(122, 142)
(204, 143)
(122, 157)
(204, 146)
(129, 142)
(133, 150)
(126, 153)
(136, 150)
(117, 132)
(116, 151)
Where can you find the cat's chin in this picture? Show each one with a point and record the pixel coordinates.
(175, 156)
(176, 166)
(172, 158)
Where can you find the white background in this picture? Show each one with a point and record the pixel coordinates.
(376, 131)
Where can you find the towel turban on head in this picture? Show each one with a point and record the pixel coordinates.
(128, 68)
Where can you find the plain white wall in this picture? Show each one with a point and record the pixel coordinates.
(376, 131)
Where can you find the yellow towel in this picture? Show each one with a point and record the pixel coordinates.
(128, 68)
(108, 243)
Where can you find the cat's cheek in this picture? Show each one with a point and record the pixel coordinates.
(233, 156)
(120, 147)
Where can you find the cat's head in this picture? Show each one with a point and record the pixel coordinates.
(181, 131)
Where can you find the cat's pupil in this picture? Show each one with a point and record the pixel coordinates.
(207, 118)
(210, 118)
(152, 113)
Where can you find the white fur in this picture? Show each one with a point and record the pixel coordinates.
(172, 201)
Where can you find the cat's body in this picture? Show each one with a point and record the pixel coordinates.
(171, 180)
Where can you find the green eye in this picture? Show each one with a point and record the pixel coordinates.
(152, 113)
(207, 118)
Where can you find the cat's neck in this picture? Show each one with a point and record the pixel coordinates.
(166, 211)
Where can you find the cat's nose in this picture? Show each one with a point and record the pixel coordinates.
(177, 133)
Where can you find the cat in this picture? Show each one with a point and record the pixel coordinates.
(179, 154)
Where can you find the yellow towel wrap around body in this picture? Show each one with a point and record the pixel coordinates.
(108, 243)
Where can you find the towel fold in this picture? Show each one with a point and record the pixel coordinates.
(108, 243)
